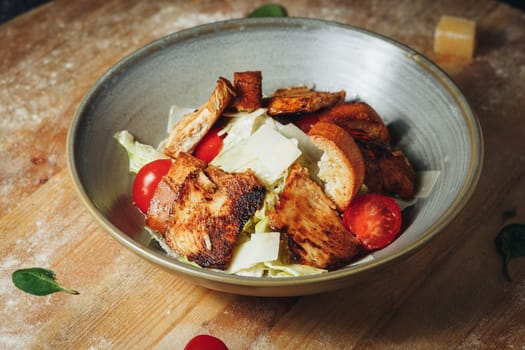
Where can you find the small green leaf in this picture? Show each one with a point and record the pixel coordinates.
(510, 243)
(38, 281)
(269, 10)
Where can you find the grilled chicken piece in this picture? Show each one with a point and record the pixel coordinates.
(388, 170)
(209, 210)
(302, 100)
(193, 126)
(248, 90)
(161, 205)
(358, 119)
(312, 228)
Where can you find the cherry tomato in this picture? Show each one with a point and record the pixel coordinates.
(205, 342)
(306, 121)
(146, 181)
(209, 146)
(374, 219)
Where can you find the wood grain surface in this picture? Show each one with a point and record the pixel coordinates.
(451, 294)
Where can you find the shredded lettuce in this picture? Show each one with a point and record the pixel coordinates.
(139, 154)
(278, 269)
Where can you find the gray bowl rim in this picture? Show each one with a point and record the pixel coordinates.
(312, 281)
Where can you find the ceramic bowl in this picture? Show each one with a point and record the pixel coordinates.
(426, 113)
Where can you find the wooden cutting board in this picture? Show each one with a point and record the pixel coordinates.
(451, 294)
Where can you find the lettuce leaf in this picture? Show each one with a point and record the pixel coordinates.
(139, 154)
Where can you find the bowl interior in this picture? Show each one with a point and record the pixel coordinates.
(425, 112)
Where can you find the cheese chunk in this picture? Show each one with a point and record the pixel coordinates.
(455, 36)
(260, 248)
(267, 152)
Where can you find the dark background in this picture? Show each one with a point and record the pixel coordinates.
(12, 8)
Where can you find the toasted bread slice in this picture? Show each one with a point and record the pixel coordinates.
(358, 119)
(313, 230)
(248, 90)
(194, 126)
(341, 167)
(302, 100)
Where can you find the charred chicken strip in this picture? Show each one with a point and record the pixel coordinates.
(387, 170)
(194, 126)
(302, 100)
(312, 227)
(209, 210)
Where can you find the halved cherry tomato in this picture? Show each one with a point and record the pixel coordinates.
(146, 181)
(306, 121)
(205, 342)
(374, 219)
(210, 146)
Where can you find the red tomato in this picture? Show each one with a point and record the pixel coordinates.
(205, 342)
(146, 181)
(374, 219)
(305, 122)
(209, 146)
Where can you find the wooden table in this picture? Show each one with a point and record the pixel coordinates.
(451, 294)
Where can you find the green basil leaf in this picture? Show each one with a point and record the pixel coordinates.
(269, 10)
(38, 281)
(510, 244)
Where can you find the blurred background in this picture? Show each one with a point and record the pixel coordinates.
(12, 8)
